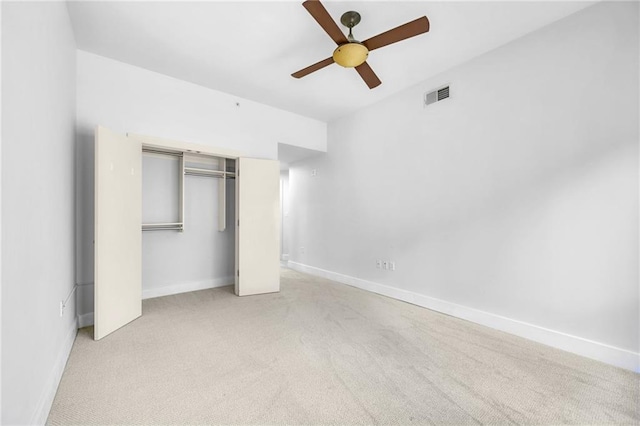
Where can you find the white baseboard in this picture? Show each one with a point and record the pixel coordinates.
(51, 387)
(187, 287)
(574, 344)
(87, 319)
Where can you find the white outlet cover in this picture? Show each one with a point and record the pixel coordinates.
(385, 265)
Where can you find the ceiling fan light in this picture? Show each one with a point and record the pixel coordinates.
(350, 55)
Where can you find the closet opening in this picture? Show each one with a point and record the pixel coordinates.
(188, 216)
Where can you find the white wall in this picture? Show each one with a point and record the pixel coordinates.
(285, 228)
(516, 198)
(38, 134)
(126, 99)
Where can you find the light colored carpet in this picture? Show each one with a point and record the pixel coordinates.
(320, 352)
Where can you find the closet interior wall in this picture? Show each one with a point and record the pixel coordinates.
(188, 242)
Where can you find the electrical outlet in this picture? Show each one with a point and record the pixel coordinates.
(314, 172)
(378, 263)
(385, 264)
(392, 265)
(61, 308)
(301, 250)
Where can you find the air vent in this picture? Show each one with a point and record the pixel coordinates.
(436, 95)
(443, 93)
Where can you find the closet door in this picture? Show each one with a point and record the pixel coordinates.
(257, 227)
(118, 236)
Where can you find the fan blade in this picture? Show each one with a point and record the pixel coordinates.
(312, 68)
(320, 14)
(368, 75)
(408, 30)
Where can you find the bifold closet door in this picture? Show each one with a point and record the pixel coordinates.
(118, 236)
(257, 227)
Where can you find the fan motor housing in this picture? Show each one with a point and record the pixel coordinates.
(350, 55)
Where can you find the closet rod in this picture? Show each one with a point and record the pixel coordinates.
(208, 175)
(157, 151)
(162, 226)
(203, 172)
(203, 175)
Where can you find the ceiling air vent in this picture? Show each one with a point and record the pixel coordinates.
(436, 95)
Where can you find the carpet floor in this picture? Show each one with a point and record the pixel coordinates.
(320, 352)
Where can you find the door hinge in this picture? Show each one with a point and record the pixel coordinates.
(238, 222)
(238, 272)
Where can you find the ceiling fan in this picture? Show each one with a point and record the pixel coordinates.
(351, 53)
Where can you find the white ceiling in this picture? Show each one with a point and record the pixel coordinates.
(250, 49)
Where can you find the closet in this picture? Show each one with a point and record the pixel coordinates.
(119, 226)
